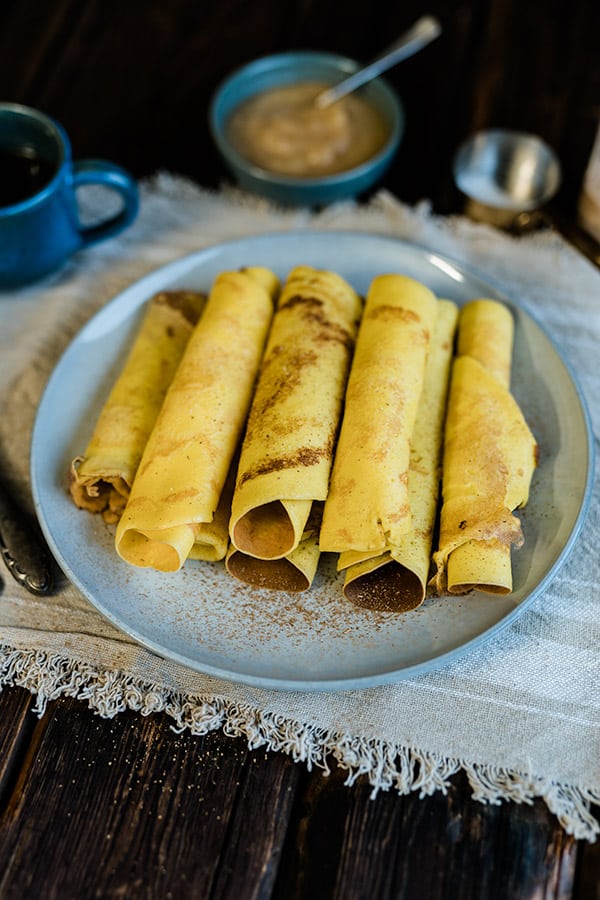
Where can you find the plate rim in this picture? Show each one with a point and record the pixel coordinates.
(176, 269)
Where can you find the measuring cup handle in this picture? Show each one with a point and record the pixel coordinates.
(98, 171)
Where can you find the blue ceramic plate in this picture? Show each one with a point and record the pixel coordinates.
(203, 618)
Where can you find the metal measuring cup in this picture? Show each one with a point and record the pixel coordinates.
(507, 177)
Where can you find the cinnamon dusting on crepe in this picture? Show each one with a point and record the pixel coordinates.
(288, 447)
(489, 458)
(100, 479)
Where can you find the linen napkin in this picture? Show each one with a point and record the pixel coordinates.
(527, 701)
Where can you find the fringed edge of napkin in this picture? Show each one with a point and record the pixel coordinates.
(385, 765)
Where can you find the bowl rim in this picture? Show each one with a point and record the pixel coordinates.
(306, 182)
(498, 137)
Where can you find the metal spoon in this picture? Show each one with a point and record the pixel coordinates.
(22, 547)
(425, 30)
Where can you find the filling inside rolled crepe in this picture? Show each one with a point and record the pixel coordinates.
(490, 455)
(384, 584)
(100, 479)
(367, 507)
(287, 450)
(396, 580)
(291, 573)
(185, 464)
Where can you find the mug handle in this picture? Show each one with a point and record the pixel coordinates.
(98, 171)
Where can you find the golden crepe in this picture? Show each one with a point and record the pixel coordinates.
(489, 458)
(291, 573)
(367, 507)
(287, 450)
(396, 580)
(211, 539)
(100, 479)
(189, 453)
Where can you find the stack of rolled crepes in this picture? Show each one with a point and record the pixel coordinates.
(287, 451)
(101, 479)
(381, 508)
(178, 506)
(349, 413)
(489, 458)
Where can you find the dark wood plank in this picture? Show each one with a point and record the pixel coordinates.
(587, 873)
(536, 67)
(43, 30)
(16, 724)
(122, 808)
(250, 860)
(347, 846)
(132, 81)
(127, 807)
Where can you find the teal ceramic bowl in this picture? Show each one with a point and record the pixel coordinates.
(289, 68)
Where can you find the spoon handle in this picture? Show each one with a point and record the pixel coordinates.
(425, 30)
(22, 547)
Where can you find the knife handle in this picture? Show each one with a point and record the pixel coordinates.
(22, 548)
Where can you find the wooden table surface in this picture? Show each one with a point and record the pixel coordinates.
(126, 807)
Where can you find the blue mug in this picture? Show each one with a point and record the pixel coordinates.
(39, 219)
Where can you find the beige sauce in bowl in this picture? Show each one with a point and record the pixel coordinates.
(282, 131)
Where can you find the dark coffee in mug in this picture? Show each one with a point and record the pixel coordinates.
(23, 172)
(40, 225)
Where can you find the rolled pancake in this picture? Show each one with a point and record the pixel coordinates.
(367, 507)
(186, 461)
(490, 455)
(100, 479)
(396, 580)
(211, 539)
(287, 450)
(292, 573)
(486, 333)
